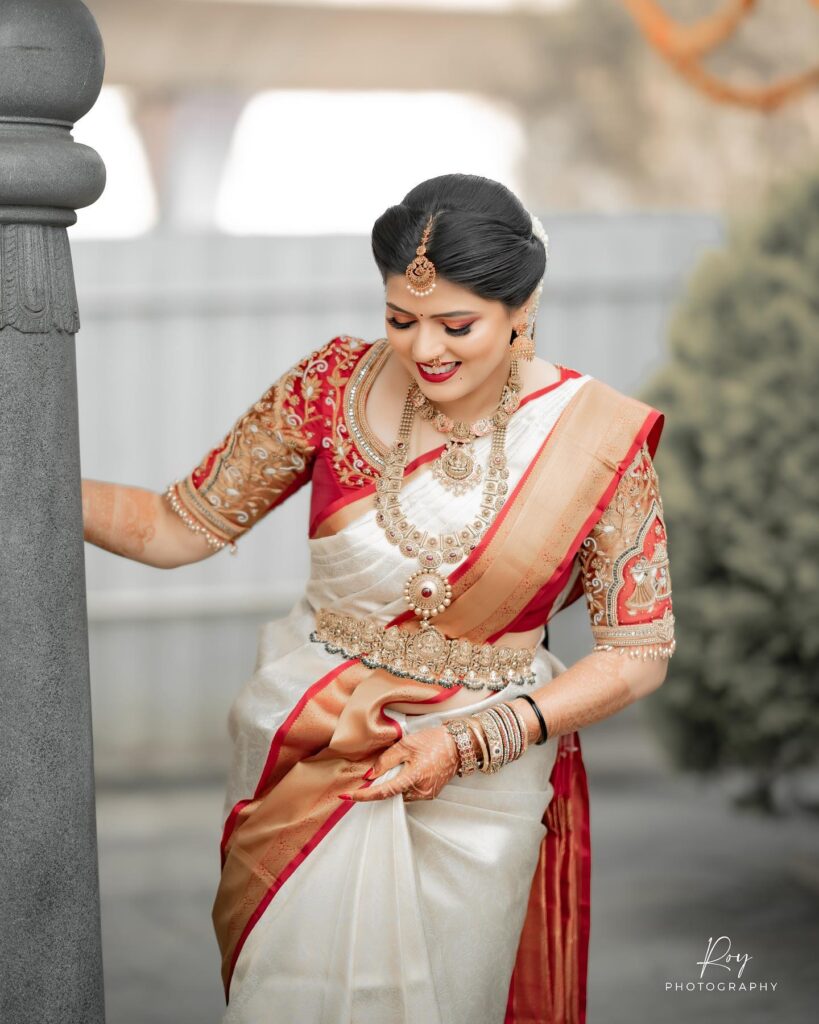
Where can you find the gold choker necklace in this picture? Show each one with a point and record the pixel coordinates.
(456, 468)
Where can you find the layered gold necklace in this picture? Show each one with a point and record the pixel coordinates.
(456, 468)
(427, 591)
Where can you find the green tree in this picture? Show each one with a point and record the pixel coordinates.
(739, 470)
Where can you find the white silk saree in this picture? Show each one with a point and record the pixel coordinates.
(472, 907)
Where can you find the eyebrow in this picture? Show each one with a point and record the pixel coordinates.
(436, 316)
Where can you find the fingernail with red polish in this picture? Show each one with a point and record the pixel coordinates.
(344, 796)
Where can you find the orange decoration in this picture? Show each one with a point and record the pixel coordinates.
(683, 46)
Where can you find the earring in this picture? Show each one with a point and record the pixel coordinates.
(523, 346)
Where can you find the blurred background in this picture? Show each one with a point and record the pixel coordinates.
(672, 152)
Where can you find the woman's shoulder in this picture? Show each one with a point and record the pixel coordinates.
(325, 371)
(599, 391)
(617, 412)
(336, 356)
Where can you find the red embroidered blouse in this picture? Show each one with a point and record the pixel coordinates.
(305, 427)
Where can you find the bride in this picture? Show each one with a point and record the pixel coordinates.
(406, 826)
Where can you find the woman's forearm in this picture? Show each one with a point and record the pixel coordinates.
(594, 688)
(137, 523)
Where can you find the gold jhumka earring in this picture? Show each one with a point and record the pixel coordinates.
(523, 345)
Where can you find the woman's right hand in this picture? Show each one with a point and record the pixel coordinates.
(139, 524)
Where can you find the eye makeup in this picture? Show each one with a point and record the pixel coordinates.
(454, 331)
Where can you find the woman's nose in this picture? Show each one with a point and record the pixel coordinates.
(426, 347)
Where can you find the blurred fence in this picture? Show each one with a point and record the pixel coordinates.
(180, 334)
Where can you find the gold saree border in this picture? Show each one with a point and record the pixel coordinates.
(534, 539)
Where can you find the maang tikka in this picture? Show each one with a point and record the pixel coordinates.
(421, 271)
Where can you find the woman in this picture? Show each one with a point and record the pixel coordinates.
(406, 832)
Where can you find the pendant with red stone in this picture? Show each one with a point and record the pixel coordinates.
(428, 593)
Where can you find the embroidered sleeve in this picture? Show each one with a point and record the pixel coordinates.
(266, 456)
(625, 571)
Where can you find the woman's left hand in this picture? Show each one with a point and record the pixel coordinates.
(431, 760)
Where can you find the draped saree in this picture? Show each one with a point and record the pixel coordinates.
(474, 906)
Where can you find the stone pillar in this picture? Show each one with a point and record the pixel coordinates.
(51, 66)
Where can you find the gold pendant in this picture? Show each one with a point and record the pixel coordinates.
(427, 592)
(456, 468)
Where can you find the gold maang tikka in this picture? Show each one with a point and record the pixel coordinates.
(421, 271)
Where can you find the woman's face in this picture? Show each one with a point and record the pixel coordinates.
(468, 334)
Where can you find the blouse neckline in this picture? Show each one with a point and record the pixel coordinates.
(358, 387)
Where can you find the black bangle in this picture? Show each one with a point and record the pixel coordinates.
(544, 734)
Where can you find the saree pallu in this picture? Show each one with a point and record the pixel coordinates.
(473, 906)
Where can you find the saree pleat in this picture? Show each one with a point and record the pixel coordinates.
(470, 907)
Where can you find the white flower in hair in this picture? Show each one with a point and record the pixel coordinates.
(539, 232)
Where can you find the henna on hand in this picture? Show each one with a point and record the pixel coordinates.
(430, 760)
(119, 519)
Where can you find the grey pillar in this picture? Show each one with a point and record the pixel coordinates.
(51, 65)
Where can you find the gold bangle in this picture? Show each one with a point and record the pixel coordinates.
(514, 725)
(476, 729)
(493, 740)
(503, 729)
(522, 727)
(467, 762)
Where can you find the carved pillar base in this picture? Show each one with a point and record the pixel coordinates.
(37, 292)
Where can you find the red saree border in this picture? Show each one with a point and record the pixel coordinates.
(549, 979)
(566, 373)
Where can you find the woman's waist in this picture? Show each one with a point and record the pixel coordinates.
(421, 650)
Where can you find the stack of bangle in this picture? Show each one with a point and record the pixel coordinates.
(500, 733)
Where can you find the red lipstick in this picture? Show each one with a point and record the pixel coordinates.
(436, 378)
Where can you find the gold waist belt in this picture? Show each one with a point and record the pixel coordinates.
(427, 656)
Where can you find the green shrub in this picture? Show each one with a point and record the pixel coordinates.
(738, 466)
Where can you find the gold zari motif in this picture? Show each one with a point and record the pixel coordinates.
(426, 656)
(269, 451)
(615, 553)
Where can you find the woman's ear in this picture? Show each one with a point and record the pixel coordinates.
(523, 312)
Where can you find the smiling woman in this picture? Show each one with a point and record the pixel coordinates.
(406, 832)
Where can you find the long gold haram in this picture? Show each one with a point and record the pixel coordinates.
(426, 591)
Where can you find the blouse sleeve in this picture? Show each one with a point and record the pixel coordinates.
(625, 569)
(266, 456)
